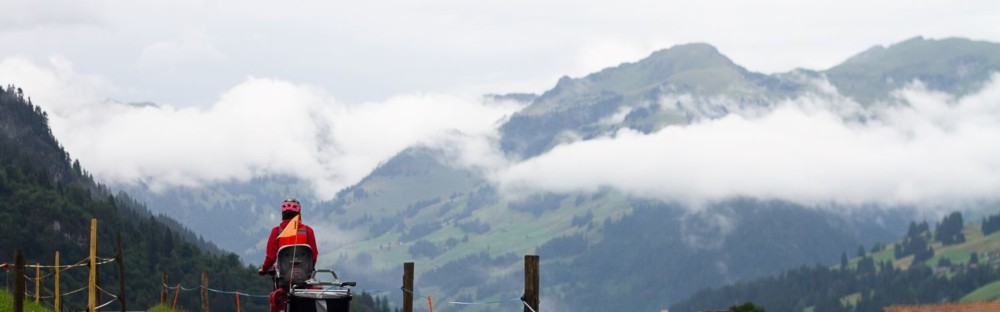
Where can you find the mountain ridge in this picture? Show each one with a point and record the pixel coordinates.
(952, 65)
(460, 221)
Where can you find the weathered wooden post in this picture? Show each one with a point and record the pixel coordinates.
(55, 300)
(92, 283)
(163, 292)
(408, 287)
(204, 291)
(530, 283)
(19, 281)
(38, 281)
(120, 258)
(177, 293)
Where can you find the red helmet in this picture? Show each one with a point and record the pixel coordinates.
(291, 204)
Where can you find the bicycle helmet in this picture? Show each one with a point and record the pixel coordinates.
(291, 204)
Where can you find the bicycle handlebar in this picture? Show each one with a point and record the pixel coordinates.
(272, 273)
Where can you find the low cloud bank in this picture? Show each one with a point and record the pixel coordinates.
(815, 150)
(937, 151)
(259, 127)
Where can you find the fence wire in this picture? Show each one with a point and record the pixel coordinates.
(228, 292)
(85, 263)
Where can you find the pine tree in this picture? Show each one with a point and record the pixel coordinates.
(949, 231)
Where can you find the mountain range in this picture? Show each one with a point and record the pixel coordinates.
(605, 249)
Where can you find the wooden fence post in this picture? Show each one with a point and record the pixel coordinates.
(120, 258)
(92, 284)
(55, 300)
(163, 292)
(177, 293)
(531, 283)
(204, 291)
(408, 287)
(19, 281)
(38, 281)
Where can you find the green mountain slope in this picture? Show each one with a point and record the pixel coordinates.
(453, 221)
(467, 238)
(581, 237)
(417, 198)
(955, 66)
(966, 271)
(988, 292)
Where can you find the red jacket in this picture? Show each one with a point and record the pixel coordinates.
(273, 244)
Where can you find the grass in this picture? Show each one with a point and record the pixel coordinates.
(164, 308)
(975, 242)
(851, 300)
(989, 292)
(7, 303)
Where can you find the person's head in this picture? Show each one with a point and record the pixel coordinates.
(290, 208)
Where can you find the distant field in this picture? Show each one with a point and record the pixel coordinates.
(989, 292)
(975, 242)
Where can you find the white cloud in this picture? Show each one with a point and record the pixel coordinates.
(259, 127)
(937, 151)
(170, 54)
(55, 85)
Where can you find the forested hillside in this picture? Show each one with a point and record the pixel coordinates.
(924, 267)
(47, 203)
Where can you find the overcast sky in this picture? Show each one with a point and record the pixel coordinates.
(327, 90)
(186, 53)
